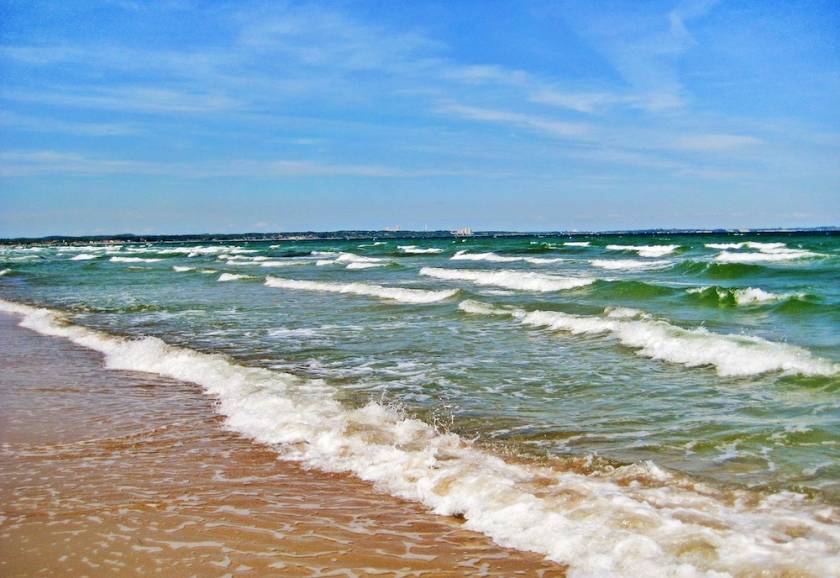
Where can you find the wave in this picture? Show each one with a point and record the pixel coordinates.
(749, 244)
(195, 251)
(786, 255)
(83, 257)
(730, 355)
(234, 277)
(493, 257)
(718, 270)
(629, 264)
(415, 250)
(744, 296)
(625, 289)
(400, 294)
(182, 269)
(5, 272)
(133, 260)
(577, 244)
(635, 520)
(349, 260)
(519, 280)
(646, 250)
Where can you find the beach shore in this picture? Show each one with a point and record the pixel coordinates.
(106, 472)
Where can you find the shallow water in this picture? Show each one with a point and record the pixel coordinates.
(713, 357)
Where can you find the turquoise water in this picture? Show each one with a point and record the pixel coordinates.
(714, 356)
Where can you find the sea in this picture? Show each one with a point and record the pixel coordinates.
(624, 404)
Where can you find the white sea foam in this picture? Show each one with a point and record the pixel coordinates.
(83, 257)
(507, 279)
(786, 255)
(767, 252)
(351, 261)
(399, 294)
(629, 264)
(182, 269)
(730, 355)
(4, 272)
(636, 520)
(415, 250)
(132, 260)
(646, 250)
(749, 244)
(744, 296)
(198, 250)
(577, 243)
(234, 277)
(493, 257)
(464, 256)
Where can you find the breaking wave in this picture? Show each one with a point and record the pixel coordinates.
(646, 250)
(400, 294)
(730, 355)
(636, 520)
(629, 264)
(519, 280)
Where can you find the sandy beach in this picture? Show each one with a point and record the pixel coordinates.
(106, 472)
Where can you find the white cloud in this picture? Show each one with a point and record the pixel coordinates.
(716, 142)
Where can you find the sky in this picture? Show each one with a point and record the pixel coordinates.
(180, 116)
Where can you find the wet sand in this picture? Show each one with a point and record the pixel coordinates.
(106, 472)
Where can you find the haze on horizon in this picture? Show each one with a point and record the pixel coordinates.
(184, 117)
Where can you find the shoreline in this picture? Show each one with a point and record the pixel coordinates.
(645, 517)
(110, 471)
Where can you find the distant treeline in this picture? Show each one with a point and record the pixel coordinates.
(366, 235)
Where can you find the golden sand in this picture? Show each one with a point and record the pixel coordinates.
(108, 472)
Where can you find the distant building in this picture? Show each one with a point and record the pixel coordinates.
(394, 229)
(465, 232)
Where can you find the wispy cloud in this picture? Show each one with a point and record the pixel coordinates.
(40, 162)
(716, 142)
(144, 99)
(541, 124)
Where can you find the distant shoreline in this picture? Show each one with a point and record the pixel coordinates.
(354, 235)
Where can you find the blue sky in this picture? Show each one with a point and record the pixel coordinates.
(181, 116)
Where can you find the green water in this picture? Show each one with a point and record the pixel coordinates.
(710, 402)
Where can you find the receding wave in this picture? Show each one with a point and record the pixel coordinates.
(636, 520)
(646, 250)
(730, 355)
(742, 296)
(519, 280)
(629, 264)
(400, 294)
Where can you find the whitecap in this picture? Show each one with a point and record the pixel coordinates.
(399, 294)
(133, 260)
(629, 264)
(234, 277)
(83, 257)
(507, 279)
(730, 355)
(646, 250)
(415, 250)
(182, 269)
